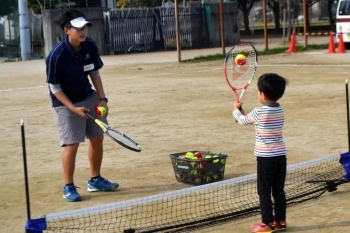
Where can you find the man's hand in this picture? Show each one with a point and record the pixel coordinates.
(81, 111)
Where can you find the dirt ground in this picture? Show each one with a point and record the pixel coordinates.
(171, 107)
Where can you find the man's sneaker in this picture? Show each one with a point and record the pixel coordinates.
(280, 225)
(70, 193)
(261, 227)
(101, 184)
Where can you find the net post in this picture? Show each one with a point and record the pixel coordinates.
(347, 111)
(25, 170)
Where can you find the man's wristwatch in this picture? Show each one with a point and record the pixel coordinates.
(104, 99)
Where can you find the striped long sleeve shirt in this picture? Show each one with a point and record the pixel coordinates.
(268, 121)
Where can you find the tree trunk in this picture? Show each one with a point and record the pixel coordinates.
(331, 19)
(246, 22)
(275, 6)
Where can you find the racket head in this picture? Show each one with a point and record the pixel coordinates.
(239, 73)
(123, 139)
(117, 136)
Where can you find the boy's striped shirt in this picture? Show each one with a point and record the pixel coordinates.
(268, 121)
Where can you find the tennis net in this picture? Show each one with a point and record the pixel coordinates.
(205, 204)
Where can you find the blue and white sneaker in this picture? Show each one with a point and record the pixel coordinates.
(101, 184)
(70, 193)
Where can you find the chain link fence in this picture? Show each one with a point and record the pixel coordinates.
(130, 30)
(10, 35)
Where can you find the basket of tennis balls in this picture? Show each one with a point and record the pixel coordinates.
(198, 167)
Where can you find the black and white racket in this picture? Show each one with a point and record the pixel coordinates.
(117, 136)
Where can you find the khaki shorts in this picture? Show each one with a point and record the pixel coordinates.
(73, 128)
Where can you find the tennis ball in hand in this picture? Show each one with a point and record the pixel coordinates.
(240, 60)
(101, 111)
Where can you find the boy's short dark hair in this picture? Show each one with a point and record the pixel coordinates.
(272, 85)
(68, 16)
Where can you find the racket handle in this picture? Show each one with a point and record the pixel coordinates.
(90, 116)
(240, 109)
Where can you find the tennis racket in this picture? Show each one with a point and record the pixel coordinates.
(117, 136)
(241, 63)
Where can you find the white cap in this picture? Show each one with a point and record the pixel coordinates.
(80, 23)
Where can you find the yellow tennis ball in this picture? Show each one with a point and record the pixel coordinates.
(193, 172)
(240, 59)
(197, 180)
(189, 155)
(101, 111)
(215, 160)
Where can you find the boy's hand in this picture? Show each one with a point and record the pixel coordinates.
(81, 111)
(237, 105)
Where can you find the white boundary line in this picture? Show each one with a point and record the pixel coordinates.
(200, 71)
(21, 88)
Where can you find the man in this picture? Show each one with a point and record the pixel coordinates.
(67, 67)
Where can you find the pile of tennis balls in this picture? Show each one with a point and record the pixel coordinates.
(197, 163)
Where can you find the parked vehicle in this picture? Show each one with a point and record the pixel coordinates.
(343, 21)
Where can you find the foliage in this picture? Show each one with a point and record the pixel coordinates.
(220, 56)
(245, 6)
(138, 3)
(8, 6)
(32, 3)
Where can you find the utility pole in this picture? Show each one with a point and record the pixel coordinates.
(26, 52)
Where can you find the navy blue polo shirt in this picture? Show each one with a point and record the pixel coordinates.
(70, 69)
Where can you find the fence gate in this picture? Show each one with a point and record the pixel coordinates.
(154, 28)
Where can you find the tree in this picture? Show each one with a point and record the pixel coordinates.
(275, 6)
(245, 6)
(330, 13)
(138, 3)
(8, 6)
(310, 3)
(32, 3)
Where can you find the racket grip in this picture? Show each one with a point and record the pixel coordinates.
(240, 109)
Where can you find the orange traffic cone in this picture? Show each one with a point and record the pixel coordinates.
(341, 47)
(331, 48)
(292, 46)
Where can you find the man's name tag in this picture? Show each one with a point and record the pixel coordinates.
(89, 67)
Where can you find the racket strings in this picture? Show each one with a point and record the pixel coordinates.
(122, 138)
(239, 74)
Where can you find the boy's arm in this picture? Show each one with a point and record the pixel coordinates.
(97, 82)
(237, 114)
(66, 102)
(244, 119)
(238, 110)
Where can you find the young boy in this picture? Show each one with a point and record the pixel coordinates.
(270, 151)
(67, 67)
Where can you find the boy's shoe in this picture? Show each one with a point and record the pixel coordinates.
(70, 193)
(280, 225)
(101, 184)
(261, 227)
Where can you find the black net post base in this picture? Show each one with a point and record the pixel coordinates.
(329, 185)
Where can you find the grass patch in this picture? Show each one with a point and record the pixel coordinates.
(299, 48)
(211, 57)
